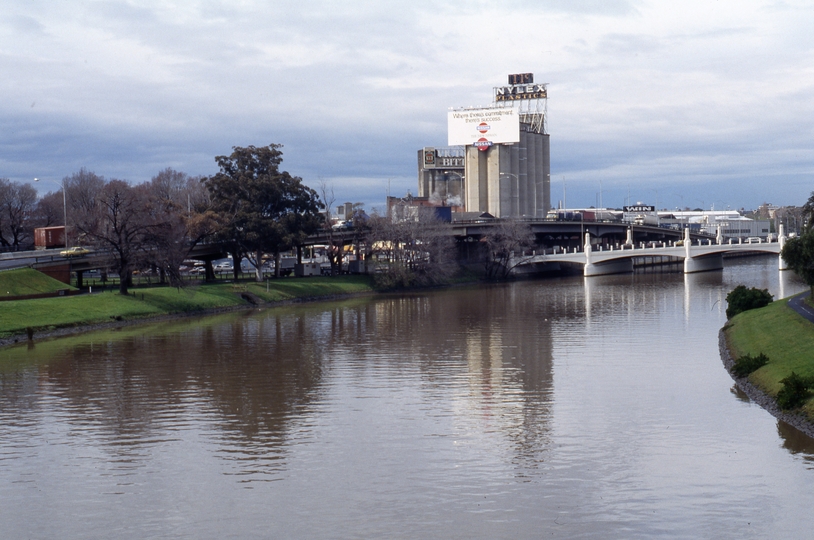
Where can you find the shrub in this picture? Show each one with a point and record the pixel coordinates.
(796, 390)
(393, 278)
(747, 364)
(741, 299)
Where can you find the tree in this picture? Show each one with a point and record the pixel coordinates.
(799, 256)
(262, 210)
(17, 203)
(418, 251)
(179, 210)
(808, 213)
(506, 242)
(81, 191)
(117, 217)
(49, 211)
(336, 246)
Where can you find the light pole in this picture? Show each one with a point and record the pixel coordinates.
(64, 209)
(564, 206)
(682, 201)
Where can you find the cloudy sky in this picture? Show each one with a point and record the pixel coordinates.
(693, 103)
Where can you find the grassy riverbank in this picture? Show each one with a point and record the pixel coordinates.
(25, 281)
(782, 335)
(48, 314)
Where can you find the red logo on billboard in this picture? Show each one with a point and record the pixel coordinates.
(483, 127)
(482, 144)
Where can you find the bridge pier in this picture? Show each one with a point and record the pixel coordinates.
(699, 264)
(703, 264)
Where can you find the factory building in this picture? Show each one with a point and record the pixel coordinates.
(441, 176)
(498, 160)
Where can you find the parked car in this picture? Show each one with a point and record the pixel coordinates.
(76, 251)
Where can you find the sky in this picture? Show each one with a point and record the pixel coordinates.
(699, 103)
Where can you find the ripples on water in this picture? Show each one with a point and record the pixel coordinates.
(559, 408)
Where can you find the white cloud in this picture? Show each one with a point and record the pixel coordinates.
(696, 91)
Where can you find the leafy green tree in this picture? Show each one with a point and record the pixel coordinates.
(808, 213)
(799, 256)
(263, 210)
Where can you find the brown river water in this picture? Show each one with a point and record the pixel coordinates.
(556, 408)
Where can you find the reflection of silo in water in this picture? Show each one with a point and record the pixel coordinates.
(509, 352)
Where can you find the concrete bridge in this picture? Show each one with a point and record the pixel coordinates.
(698, 255)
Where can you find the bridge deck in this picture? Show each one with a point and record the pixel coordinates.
(595, 260)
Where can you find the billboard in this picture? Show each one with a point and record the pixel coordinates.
(483, 127)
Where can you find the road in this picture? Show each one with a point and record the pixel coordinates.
(797, 303)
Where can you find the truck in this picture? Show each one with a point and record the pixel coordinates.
(646, 219)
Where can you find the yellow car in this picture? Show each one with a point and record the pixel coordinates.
(74, 252)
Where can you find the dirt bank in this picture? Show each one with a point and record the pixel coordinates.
(757, 395)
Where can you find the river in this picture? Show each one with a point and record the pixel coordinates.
(557, 408)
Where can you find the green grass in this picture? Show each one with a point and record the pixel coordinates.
(25, 281)
(59, 312)
(785, 337)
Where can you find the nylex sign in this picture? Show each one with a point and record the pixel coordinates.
(639, 208)
(522, 91)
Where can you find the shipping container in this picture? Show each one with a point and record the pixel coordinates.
(49, 237)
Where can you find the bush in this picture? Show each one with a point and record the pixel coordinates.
(747, 364)
(796, 390)
(394, 277)
(741, 299)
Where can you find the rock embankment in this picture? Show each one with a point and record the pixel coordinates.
(758, 396)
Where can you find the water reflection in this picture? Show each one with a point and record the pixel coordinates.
(254, 382)
(797, 442)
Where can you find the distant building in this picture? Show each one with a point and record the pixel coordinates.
(411, 208)
(441, 178)
(731, 222)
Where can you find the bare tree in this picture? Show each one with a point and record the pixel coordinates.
(49, 211)
(81, 191)
(506, 245)
(180, 217)
(118, 218)
(412, 252)
(17, 203)
(336, 248)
